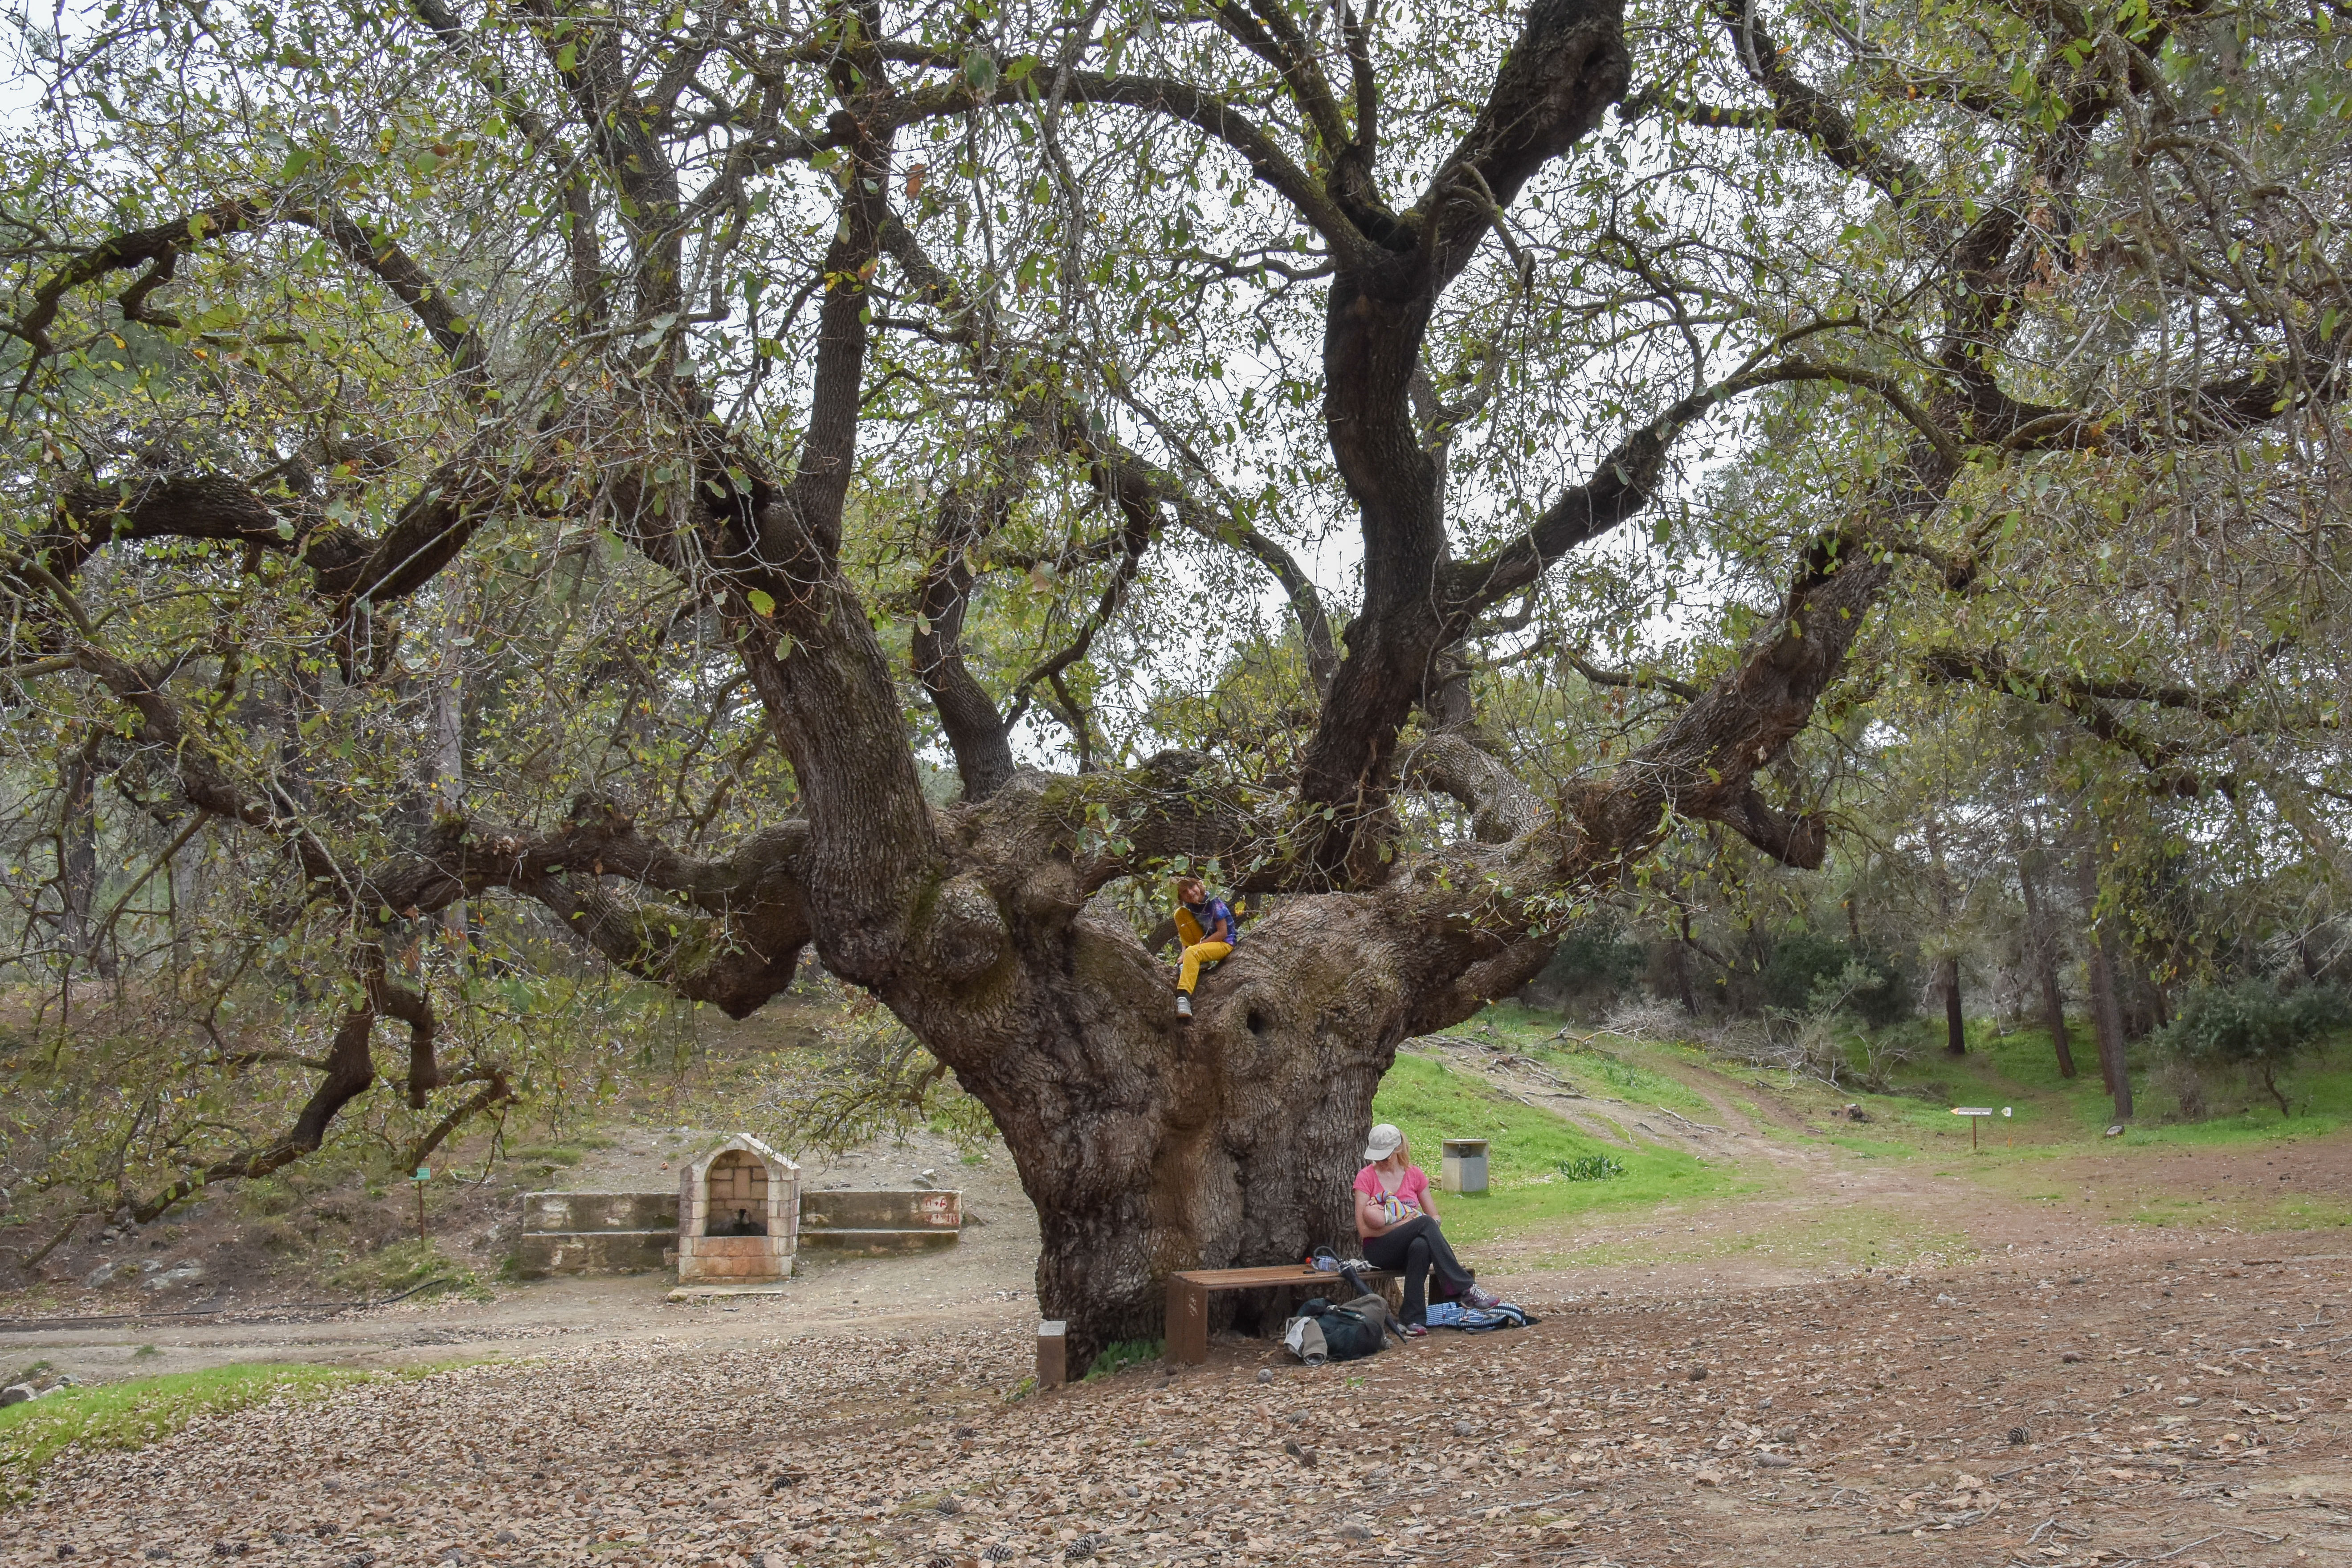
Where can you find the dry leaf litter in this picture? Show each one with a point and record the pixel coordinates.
(2191, 1412)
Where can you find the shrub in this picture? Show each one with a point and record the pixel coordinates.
(2183, 1082)
(1591, 1168)
(2254, 1026)
(1595, 962)
(401, 1268)
(1803, 961)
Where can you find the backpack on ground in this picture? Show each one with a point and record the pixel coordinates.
(1349, 1333)
(1303, 1337)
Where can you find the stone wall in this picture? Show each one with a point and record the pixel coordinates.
(596, 1233)
(623, 1233)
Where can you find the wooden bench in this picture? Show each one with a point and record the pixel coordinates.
(1188, 1293)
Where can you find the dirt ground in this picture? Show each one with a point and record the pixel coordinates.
(1865, 1360)
(989, 1276)
(2164, 1402)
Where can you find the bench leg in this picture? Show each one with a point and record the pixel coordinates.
(1188, 1323)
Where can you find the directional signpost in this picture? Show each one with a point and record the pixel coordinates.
(1973, 1111)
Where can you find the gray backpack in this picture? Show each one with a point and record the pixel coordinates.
(1322, 1331)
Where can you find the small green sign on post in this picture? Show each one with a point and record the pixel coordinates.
(424, 1174)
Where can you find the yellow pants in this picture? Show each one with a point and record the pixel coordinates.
(1196, 952)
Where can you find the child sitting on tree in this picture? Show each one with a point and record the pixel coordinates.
(1205, 929)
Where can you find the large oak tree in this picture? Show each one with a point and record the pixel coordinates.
(917, 356)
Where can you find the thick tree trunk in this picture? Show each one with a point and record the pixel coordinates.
(1151, 1145)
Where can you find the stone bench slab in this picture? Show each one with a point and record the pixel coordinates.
(540, 1252)
(877, 1242)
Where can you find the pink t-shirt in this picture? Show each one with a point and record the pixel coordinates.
(1413, 1189)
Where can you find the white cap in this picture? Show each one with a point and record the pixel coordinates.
(1382, 1142)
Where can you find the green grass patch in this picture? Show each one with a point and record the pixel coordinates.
(417, 1371)
(1852, 1238)
(1118, 1356)
(2021, 1069)
(1526, 1149)
(546, 1159)
(139, 1410)
(402, 1266)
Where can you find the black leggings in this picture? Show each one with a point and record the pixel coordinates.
(1418, 1249)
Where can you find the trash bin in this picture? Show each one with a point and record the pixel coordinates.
(1465, 1166)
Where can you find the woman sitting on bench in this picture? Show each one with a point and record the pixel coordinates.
(1398, 1225)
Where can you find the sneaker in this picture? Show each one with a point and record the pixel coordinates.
(1478, 1295)
(1416, 1331)
(1184, 1006)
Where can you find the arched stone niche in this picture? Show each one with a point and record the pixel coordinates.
(738, 1214)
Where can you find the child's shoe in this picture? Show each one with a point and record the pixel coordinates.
(1184, 1006)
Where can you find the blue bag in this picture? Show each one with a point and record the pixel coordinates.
(1486, 1319)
